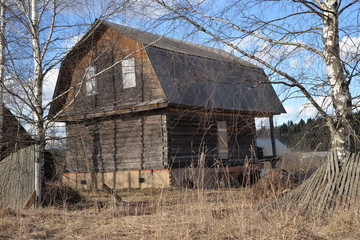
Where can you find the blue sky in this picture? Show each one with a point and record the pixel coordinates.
(298, 63)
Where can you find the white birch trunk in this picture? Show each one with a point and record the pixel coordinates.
(38, 111)
(340, 126)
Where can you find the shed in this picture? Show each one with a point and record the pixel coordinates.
(13, 135)
(142, 109)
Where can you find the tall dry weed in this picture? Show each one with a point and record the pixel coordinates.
(228, 213)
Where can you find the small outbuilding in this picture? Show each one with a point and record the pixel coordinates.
(13, 135)
(144, 110)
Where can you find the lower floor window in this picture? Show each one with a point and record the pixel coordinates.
(222, 140)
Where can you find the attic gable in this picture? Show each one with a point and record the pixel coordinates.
(109, 51)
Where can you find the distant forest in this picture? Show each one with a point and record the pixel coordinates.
(310, 135)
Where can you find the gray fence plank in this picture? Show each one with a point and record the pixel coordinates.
(17, 178)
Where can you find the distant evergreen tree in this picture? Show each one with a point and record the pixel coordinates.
(311, 135)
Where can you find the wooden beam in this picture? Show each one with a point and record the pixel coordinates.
(272, 137)
(106, 113)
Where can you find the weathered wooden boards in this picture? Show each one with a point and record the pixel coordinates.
(335, 185)
(17, 178)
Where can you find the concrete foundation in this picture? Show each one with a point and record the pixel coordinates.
(181, 177)
(119, 180)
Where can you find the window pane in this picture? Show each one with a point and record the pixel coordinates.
(90, 81)
(128, 73)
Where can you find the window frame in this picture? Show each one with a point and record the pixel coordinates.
(223, 140)
(91, 81)
(128, 73)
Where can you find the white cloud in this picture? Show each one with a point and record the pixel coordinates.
(309, 61)
(350, 48)
(50, 80)
(243, 43)
(294, 63)
(290, 109)
(308, 110)
(71, 41)
(288, 54)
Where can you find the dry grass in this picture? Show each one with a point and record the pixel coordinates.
(173, 214)
(299, 168)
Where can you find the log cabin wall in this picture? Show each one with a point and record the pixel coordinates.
(128, 142)
(163, 119)
(106, 53)
(194, 133)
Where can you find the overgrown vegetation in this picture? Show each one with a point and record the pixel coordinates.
(313, 134)
(224, 213)
(175, 214)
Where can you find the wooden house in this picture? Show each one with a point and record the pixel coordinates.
(142, 110)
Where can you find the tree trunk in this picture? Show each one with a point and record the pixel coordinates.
(335, 184)
(38, 110)
(2, 60)
(340, 126)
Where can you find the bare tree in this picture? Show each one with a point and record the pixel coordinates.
(35, 44)
(275, 34)
(2, 57)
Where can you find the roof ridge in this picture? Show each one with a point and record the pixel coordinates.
(164, 42)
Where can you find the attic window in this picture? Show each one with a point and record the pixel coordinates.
(90, 81)
(222, 140)
(128, 73)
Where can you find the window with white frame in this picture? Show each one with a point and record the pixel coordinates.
(90, 81)
(128, 73)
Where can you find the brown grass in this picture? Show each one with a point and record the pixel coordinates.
(173, 214)
(300, 169)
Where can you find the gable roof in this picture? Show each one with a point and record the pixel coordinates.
(175, 45)
(197, 76)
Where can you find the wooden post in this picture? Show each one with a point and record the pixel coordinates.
(273, 144)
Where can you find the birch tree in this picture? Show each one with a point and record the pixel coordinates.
(275, 34)
(2, 57)
(37, 33)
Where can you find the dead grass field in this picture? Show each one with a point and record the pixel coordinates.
(173, 214)
(228, 213)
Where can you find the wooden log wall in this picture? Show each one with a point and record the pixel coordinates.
(107, 50)
(191, 134)
(122, 143)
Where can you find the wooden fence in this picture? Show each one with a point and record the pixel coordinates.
(17, 178)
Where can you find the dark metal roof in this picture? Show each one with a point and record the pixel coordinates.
(176, 45)
(201, 82)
